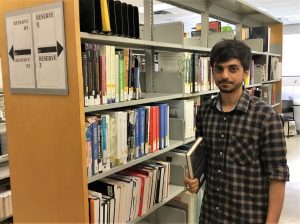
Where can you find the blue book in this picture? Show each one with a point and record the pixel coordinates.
(88, 140)
(103, 140)
(95, 153)
(166, 125)
(137, 134)
(142, 131)
(161, 126)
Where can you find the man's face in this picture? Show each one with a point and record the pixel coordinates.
(229, 75)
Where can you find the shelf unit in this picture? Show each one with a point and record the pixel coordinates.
(48, 163)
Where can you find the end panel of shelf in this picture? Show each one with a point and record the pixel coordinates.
(173, 144)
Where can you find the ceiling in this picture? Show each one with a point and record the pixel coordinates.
(288, 11)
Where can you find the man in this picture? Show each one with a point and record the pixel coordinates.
(246, 150)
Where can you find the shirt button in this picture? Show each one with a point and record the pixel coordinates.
(221, 153)
(225, 118)
(218, 189)
(222, 136)
(219, 171)
(217, 208)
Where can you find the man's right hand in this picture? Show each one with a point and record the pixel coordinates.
(192, 184)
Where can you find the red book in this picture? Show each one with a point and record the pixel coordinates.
(152, 143)
(157, 127)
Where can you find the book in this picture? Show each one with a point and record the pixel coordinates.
(261, 32)
(196, 159)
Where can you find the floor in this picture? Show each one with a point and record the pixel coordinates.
(291, 208)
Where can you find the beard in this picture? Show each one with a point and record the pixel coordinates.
(226, 86)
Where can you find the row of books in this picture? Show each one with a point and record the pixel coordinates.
(195, 69)
(110, 75)
(269, 94)
(109, 17)
(117, 137)
(130, 193)
(274, 69)
(5, 204)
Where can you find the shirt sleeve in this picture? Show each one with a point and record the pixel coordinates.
(273, 151)
(199, 130)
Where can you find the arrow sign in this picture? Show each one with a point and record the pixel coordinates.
(58, 48)
(13, 53)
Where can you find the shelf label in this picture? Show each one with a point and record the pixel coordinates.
(36, 49)
(20, 51)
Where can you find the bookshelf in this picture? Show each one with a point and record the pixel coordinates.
(47, 133)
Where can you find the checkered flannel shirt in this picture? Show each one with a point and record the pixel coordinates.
(246, 149)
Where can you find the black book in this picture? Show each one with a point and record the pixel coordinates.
(112, 16)
(130, 20)
(125, 19)
(90, 16)
(119, 23)
(260, 32)
(196, 160)
(136, 22)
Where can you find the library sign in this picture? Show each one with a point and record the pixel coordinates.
(36, 50)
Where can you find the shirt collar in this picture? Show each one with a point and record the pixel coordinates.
(242, 104)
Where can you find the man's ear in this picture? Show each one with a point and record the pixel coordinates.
(245, 74)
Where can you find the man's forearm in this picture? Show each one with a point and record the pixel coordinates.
(276, 198)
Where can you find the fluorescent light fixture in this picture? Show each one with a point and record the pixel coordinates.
(158, 7)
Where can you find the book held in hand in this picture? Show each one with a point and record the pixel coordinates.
(196, 160)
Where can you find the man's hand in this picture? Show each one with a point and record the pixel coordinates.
(192, 184)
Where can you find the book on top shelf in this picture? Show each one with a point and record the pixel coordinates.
(196, 160)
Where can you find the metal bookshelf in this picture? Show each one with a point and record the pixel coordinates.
(138, 43)
(173, 144)
(173, 192)
(146, 98)
(271, 81)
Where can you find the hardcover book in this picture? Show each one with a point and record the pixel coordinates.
(196, 160)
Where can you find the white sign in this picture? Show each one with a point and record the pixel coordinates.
(20, 51)
(37, 46)
(49, 37)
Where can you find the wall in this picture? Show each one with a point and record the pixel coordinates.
(290, 61)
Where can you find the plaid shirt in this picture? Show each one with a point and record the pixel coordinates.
(246, 148)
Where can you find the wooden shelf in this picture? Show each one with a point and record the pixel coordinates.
(173, 192)
(253, 85)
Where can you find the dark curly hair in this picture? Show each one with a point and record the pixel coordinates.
(231, 49)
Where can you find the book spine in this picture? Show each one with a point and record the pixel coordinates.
(161, 127)
(137, 134)
(85, 77)
(142, 131)
(88, 143)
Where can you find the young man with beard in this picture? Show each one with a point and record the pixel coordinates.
(246, 150)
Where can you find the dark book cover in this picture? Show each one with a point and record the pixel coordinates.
(196, 160)
(130, 21)
(119, 23)
(260, 32)
(125, 19)
(136, 22)
(112, 16)
(90, 16)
